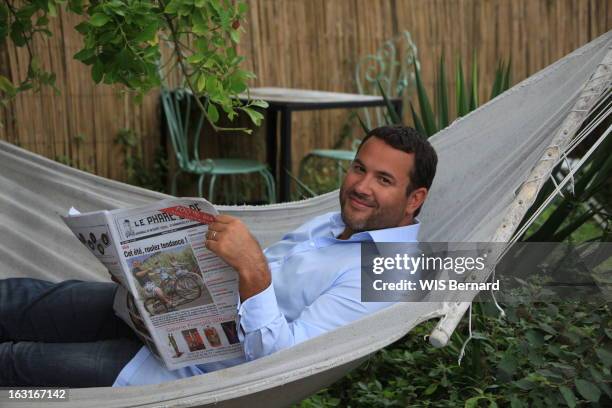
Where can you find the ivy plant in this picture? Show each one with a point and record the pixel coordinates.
(123, 40)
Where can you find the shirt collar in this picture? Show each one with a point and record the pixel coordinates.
(408, 233)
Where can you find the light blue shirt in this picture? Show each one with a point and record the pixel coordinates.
(316, 287)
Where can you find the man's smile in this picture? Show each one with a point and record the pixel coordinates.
(358, 203)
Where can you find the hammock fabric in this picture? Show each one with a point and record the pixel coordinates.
(491, 166)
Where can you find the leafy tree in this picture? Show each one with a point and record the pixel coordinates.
(122, 42)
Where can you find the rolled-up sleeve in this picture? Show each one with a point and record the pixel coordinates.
(264, 329)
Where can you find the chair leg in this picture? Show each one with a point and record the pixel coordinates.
(173, 187)
(340, 170)
(211, 188)
(271, 186)
(234, 189)
(225, 192)
(303, 166)
(200, 184)
(270, 190)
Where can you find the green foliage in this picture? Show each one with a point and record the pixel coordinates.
(122, 39)
(429, 122)
(137, 172)
(20, 22)
(542, 355)
(319, 176)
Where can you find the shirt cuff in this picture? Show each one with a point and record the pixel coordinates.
(259, 310)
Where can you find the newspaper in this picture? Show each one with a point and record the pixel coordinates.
(179, 297)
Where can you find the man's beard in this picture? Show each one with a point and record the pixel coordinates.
(357, 225)
(379, 217)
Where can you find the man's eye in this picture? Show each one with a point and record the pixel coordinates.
(385, 180)
(358, 168)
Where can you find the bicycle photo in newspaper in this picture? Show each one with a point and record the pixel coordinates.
(169, 281)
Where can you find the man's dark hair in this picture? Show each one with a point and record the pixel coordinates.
(409, 140)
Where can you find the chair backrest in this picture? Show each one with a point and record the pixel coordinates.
(184, 126)
(393, 67)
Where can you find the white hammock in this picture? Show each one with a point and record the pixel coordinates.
(492, 163)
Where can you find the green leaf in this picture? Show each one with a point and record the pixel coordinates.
(82, 28)
(52, 8)
(195, 58)
(588, 390)
(508, 364)
(4, 21)
(148, 33)
(547, 328)
(85, 54)
(76, 6)
(605, 356)
(515, 402)
(235, 36)
(212, 113)
(498, 81)
(417, 121)
(172, 7)
(42, 21)
(605, 388)
(200, 24)
(99, 19)
(427, 116)
(431, 389)
(472, 402)
(395, 119)
(568, 396)
(17, 34)
(7, 86)
(212, 85)
(200, 84)
(255, 116)
(97, 72)
(474, 84)
(260, 103)
(534, 338)
(237, 84)
(546, 373)
(364, 127)
(442, 95)
(460, 92)
(524, 384)
(506, 82)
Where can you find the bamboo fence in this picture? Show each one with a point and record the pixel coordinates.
(311, 44)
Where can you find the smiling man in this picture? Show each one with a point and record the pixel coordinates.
(300, 287)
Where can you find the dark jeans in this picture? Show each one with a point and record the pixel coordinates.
(61, 334)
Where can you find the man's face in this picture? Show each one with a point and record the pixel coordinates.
(373, 194)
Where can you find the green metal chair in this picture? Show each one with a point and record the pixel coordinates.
(393, 68)
(184, 128)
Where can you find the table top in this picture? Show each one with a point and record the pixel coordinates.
(307, 98)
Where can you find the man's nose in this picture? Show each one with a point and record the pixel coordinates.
(364, 185)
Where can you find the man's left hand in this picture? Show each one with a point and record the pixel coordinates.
(230, 239)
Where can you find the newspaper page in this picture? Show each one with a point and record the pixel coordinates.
(179, 297)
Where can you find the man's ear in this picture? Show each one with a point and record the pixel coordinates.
(415, 200)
